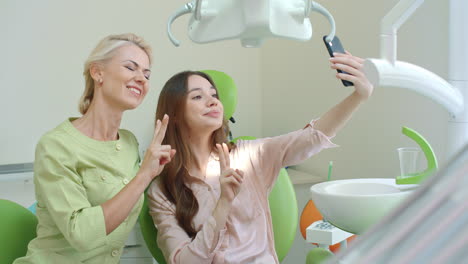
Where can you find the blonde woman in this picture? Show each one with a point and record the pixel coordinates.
(210, 204)
(87, 173)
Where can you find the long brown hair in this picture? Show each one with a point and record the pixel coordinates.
(172, 101)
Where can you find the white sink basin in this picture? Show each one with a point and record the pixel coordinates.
(356, 204)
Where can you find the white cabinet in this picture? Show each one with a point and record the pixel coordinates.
(18, 187)
(135, 251)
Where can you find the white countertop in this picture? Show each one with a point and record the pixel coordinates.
(301, 177)
(18, 187)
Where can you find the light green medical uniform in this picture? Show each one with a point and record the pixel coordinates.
(73, 176)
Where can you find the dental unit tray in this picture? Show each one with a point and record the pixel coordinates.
(251, 21)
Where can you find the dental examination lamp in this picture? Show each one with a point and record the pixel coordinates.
(251, 21)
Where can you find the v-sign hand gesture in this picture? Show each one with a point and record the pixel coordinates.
(230, 179)
(157, 155)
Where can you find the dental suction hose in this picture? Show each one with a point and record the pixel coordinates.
(186, 9)
(322, 10)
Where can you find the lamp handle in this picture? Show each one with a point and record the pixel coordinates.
(186, 9)
(314, 6)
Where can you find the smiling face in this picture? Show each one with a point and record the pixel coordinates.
(122, 82)
(203, 110)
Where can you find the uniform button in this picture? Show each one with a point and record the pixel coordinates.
(118, 147)
(125, 181)
(115, 253)
(103, 177)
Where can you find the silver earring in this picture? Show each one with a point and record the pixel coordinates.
(100, 81)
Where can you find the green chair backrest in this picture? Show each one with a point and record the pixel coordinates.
(17, 228)
(149, 232)
(284, 213)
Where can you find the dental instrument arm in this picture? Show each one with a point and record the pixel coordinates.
(390, 25)
(389, 72)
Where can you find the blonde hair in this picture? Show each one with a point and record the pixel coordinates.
(103, 52)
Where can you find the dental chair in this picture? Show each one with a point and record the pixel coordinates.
(282, 199)
(17, 228)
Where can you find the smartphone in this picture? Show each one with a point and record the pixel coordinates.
(336, 46)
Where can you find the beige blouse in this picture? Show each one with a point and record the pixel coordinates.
(248, 234)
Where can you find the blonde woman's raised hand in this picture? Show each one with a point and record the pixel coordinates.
(157, 155)
(230, 179)
(352, 65)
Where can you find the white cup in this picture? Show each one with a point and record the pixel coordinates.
(409, 161)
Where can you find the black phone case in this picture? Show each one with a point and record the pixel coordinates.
(336, 46)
